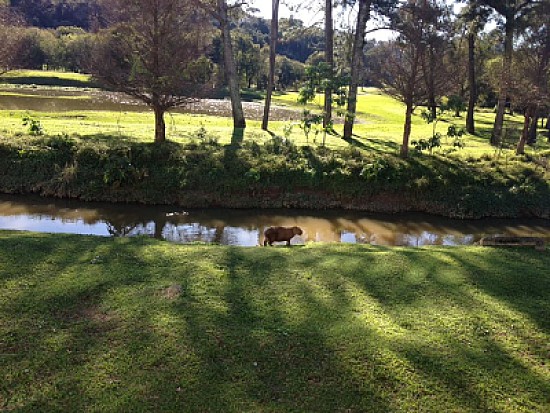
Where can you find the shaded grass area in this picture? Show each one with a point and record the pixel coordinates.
(90, 324)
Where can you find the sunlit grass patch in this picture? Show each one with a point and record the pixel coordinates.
(379, 123)
(47, 78)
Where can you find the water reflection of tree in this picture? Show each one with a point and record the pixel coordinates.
(244, 227)
(118, 227)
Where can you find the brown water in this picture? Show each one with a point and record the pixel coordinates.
(244, 227)
(69, 99)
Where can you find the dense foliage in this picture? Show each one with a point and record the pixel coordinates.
(55, 13)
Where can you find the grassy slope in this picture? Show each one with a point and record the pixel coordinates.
(86, 325)
(380, 124)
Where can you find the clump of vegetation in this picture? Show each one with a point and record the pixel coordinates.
(34, 127)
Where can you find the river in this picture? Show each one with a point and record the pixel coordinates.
(244, 227)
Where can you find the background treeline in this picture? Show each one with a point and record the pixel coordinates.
(58, 34)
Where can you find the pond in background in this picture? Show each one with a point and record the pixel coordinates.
(245, 227)
(46, 99)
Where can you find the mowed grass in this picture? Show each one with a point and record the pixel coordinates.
(47, 78)
(91, 324)
(380, 121)
(379, 125)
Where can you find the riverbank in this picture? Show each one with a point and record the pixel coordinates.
(275, 174)
(96, 324)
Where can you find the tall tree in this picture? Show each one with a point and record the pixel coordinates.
(399, 66)
(363, 16)
(531, 74)
(273, 36)
(152, 54)
(329, 59)
(436, 15)
(383, 8)
(11, 35)
(219, 10)
(474, 17)
(538, 36)
(511, 11)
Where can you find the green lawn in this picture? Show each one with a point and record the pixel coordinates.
(90, 324)
(380, 119)
(379, 122)
(47, 78)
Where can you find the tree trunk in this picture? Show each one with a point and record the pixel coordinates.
(272, 53)
(470, 122)
(407, 130)
(329, 59)
(520, 149)
(431, 83)
(356, 65)
(160, 127)
(532, 134)
(496, 135)
(231, 68)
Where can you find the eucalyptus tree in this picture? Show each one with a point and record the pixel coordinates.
(474, 17)
(437, 35)
(364, 9)
(363, 16)
(531, 75)
(153, 53)
(512, 11)
(220, 11)
(329, 59)
(537, 37)
(273, 36)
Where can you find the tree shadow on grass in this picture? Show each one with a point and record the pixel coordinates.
(237, 137)
(373, 144)
(503, 277)
(267, 329)
(255, 344)
(467, 352)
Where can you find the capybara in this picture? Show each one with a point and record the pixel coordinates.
(273, 234)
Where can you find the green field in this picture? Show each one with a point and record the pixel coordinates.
(379, 122)
(47, 78)
(110, 325)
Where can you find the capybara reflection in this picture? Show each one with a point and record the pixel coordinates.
(273, 234)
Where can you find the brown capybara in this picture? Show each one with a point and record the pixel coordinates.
(273, 234)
